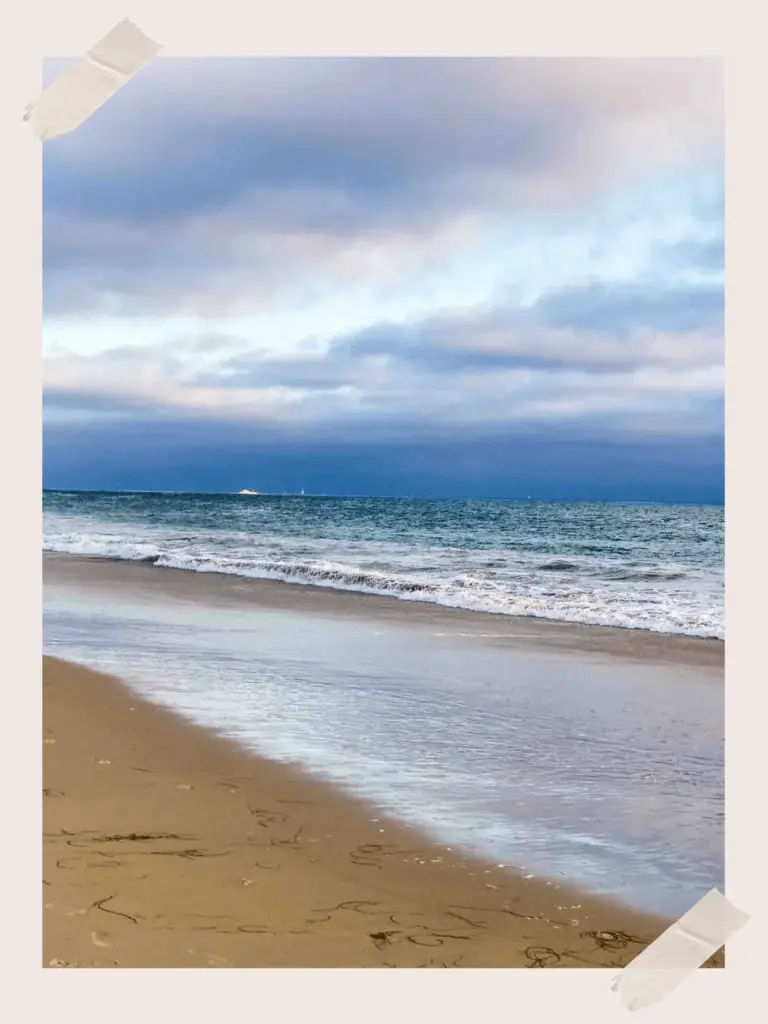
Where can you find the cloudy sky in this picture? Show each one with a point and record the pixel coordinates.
(390, 276)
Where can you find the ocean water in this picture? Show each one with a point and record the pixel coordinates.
(653, 567)
(602, 771)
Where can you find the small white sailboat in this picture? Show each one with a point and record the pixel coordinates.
(302, 492)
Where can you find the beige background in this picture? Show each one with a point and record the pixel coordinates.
(653, 28)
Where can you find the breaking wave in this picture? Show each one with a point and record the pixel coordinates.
(590, 591)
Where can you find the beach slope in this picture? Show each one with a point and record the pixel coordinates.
(167, 846)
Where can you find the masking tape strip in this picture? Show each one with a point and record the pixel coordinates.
(90, 81)
(681, 949)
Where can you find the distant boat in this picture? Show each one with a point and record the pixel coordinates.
(302, 492)
(246, 491)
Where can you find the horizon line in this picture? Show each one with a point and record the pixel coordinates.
(381, 497)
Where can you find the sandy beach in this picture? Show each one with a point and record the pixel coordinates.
(168, 846)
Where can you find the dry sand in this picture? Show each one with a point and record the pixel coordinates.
(168, 846)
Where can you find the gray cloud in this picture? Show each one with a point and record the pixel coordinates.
(705, 256)
(217, 128)
(596, 330)
(622, 309)
(204, 181)
(569, 463)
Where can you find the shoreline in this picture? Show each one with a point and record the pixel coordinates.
(166, 844)
(516, 630)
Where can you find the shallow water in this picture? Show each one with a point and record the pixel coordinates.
(603, 772)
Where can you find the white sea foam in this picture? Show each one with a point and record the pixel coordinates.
(667, 598)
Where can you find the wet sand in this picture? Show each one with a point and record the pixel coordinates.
(166, 845)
